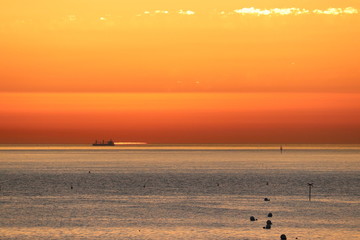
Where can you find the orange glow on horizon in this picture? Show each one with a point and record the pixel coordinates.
(130, 143)
(181, 117)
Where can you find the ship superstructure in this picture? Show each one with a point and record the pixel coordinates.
(103, 143)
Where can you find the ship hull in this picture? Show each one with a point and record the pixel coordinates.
(103, 143)
(100, 144)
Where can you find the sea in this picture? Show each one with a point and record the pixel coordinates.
(179, 192)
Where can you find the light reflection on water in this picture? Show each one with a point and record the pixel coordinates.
(178, 193)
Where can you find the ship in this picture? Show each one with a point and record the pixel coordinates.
(103, 143)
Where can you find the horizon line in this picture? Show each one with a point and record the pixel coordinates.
(149, 144)
(178, 92)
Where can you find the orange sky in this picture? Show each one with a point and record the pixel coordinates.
(180, 72)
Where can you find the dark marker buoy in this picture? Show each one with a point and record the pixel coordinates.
(283, 237)
(268, 224)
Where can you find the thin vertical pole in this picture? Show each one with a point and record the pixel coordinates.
(310, 186)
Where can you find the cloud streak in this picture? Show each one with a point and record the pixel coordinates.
(263, 12)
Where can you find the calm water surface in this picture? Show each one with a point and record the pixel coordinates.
(179, 192)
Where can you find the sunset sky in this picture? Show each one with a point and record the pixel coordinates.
(282, 71)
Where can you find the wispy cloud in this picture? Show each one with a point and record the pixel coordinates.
(166, 12)
(186, 12)
(292, 11)
(337, 11)
(261, 12)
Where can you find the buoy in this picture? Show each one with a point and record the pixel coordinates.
(270, 215)
(252, 218)
(283, 237)
(266, 199)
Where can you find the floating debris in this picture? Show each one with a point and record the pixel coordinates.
(252, 218)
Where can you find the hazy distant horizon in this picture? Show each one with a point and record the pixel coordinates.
(270, 146)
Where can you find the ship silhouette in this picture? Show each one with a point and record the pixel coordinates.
(103, 143)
